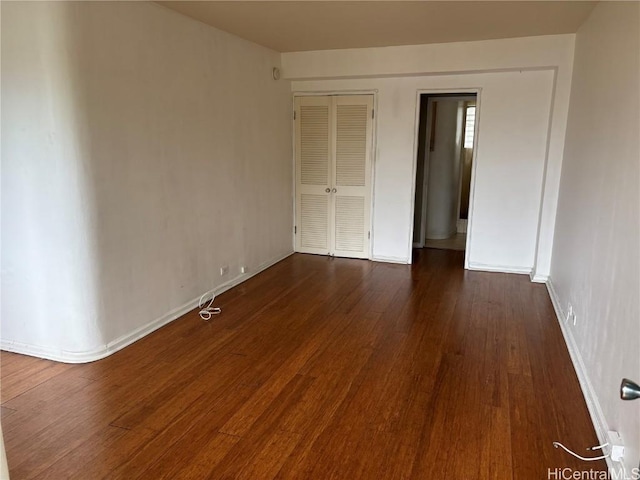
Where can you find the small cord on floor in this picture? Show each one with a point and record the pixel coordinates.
(586, 459)
(598, 447)
(207, 312)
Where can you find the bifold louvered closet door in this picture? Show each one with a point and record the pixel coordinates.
(333, 174)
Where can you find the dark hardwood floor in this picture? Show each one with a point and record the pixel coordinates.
(317, 368)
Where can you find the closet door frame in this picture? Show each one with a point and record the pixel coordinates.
(373, 146)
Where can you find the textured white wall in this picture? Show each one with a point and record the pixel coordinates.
(141, 151)
(525, 95)
(596, 259)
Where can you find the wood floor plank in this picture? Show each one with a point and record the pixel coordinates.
(48, 392)
(12, 362)
(6, 412)
(245, 417)
(316, 411)
(240, 459)
(495, 461)
(204, 460)
(317, 368)
(93, 452)
(172, 448)
(21, 381)
(180, 393)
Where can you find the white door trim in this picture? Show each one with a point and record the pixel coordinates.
(474, 163)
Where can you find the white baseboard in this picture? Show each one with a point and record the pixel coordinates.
(131, 337)
(481, 267)
(538, 278)
(598, 419)
(384, 259)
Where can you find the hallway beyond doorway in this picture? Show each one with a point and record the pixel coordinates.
(456, 241)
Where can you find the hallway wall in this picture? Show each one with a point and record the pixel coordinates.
(596, 254)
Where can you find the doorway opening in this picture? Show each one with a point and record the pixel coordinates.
(446, 142)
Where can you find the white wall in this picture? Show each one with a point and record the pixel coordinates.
(524, 86)
(596, 258)
(141, 151)
(444, 172)
(4, 468)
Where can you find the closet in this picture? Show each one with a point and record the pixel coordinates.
(333, 143)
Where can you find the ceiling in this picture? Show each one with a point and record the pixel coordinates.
(289, 26)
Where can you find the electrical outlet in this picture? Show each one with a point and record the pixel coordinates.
(243, 269)
(224, 270)
(571, 315)
(616, 446)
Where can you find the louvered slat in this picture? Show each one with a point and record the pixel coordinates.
(314, 221)
(350, 223)
(314, 144)
(351, 145)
